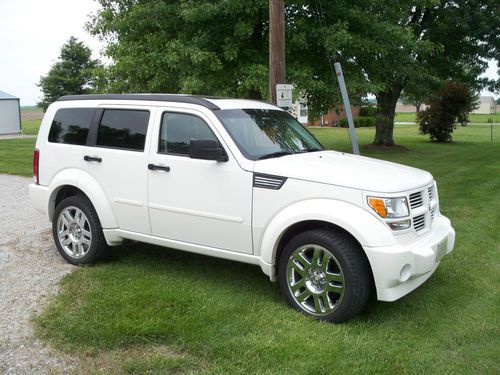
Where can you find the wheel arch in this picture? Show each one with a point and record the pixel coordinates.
(355, 222)
(73, 182)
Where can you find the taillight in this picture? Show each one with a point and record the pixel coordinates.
(36, 158)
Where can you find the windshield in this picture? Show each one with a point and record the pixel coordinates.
(263, 133)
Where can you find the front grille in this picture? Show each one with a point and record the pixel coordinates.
(429, 190)
(419, 222)
(416, 200)
(432, 215)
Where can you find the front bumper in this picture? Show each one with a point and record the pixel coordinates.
(397, 270)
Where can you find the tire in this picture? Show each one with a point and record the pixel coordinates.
(77, 231)
(324, 273)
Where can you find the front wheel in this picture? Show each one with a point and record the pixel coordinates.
(77, 231)
(325, 274)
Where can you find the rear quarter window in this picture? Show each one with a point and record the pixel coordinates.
(71, 126)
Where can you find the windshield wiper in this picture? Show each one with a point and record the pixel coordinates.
(274, 155)
(313, 149)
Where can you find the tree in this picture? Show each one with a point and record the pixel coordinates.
(219, 47)
(406, 45)
(71, 74)
(449, 106)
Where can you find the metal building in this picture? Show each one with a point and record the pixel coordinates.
(10, 114)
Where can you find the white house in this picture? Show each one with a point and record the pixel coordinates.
(487, 105)
(10, 114)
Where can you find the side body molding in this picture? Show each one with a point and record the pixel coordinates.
(86, 183)
(359, 223)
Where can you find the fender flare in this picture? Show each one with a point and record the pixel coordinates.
(86, 183)
(363, 226)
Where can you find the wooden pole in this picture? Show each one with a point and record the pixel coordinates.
(276, 46)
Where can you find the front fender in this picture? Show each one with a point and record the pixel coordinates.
(366, 228)
(86, 183)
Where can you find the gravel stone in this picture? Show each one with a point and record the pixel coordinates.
(30, 271)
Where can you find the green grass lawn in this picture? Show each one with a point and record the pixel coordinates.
(152, 310)
(16, 156)
(30, 126)
(473, 118)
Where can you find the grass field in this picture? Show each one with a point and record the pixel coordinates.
(151, 310)
(473, 118)
(16, 156)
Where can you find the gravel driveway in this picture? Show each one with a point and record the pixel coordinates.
(30, 269)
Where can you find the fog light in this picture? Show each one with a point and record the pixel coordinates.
(405, 273)
(400, 225)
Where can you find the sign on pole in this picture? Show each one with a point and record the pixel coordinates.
(284, 95)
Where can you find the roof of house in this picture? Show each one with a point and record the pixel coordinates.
(5, 95)
(486, 99)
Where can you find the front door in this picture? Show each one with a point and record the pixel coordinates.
(200, 202)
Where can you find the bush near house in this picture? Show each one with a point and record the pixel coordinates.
(359, 122)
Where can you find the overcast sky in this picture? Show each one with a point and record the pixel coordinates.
(32, 33)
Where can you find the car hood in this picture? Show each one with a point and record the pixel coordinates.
(341, 169)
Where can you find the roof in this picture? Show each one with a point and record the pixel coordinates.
(486, 99)
(5, 95)
(212, 103)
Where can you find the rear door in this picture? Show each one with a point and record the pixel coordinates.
(115, 156)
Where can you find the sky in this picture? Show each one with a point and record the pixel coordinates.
(32, 33)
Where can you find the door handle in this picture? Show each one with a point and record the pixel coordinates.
(92, 158)
(154, 167)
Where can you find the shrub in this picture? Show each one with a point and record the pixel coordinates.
(449, 106)
(359, 122)
(368, 111)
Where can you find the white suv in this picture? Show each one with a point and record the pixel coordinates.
(240, 180)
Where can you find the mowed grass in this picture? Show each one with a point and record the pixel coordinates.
(153, 310)
(16, 156)
(473, 117)
(30, 127)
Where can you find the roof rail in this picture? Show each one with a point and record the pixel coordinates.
(151, 97)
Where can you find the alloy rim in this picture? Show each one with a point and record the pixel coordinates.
(315, 279)
(74, 232)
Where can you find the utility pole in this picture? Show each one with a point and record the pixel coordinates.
(276, 46)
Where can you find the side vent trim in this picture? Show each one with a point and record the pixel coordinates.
(266, 181)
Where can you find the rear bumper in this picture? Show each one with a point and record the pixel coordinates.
(398, 270)
(39, 196)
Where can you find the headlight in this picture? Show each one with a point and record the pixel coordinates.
(389, 208)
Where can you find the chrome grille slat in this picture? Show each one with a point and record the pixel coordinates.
(429, 190)
(416, 200)
(419, 222)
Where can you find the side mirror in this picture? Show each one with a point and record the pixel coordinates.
(207, 149)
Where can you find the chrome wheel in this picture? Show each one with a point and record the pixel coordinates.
(74, 232)
(315, 279)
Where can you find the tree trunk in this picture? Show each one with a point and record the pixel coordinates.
(386, 102)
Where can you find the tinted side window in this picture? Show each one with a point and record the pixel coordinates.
(177, 131)
(122, 128)
(71, 125)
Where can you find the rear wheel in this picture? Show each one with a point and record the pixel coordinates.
(77, 231)
(325, 274)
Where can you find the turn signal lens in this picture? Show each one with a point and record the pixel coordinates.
(378, 205)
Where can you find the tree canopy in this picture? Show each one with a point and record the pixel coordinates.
(220, 47)
(71, 74)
